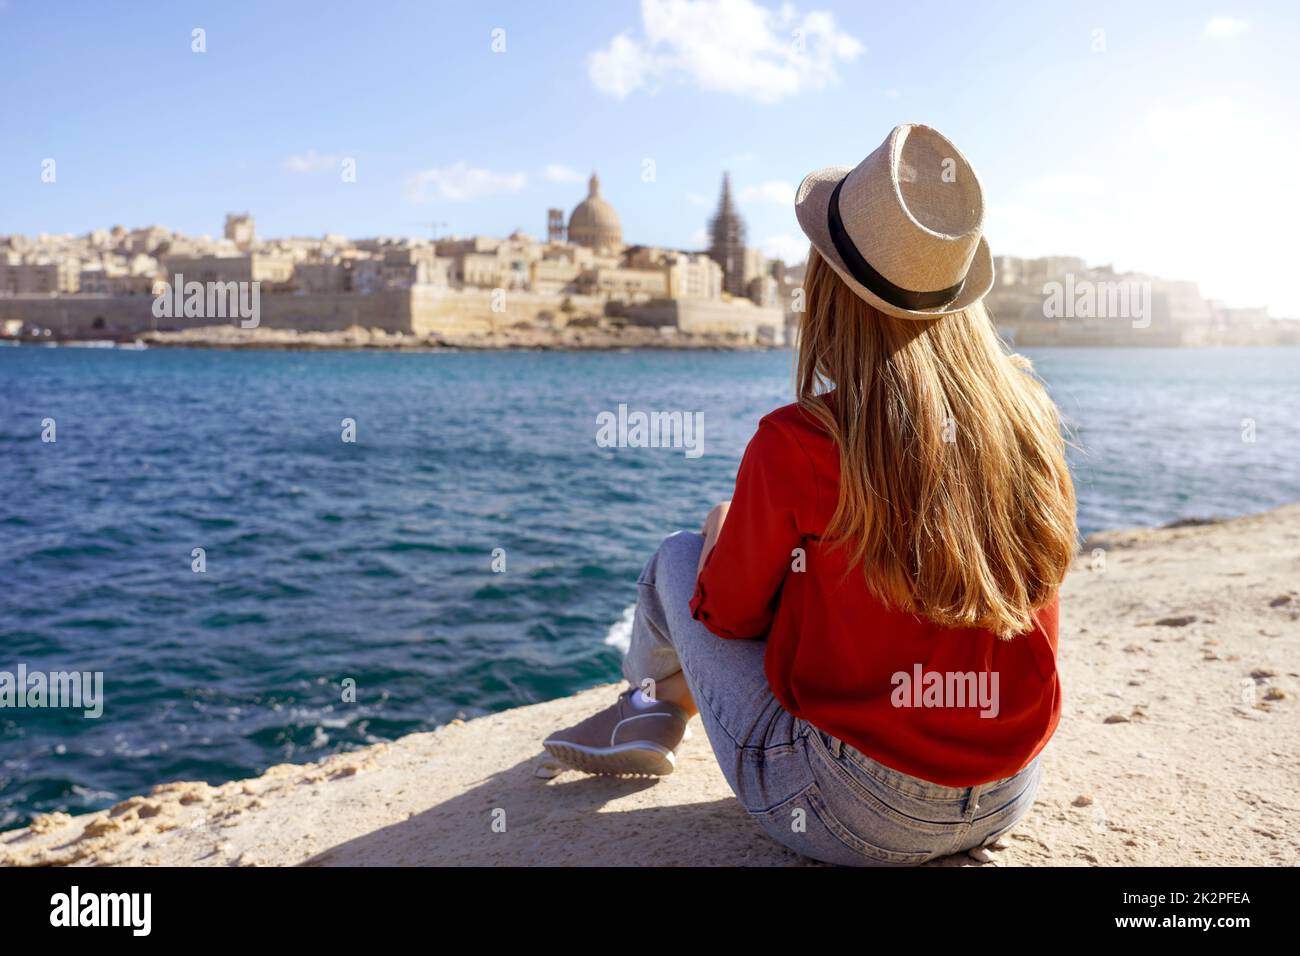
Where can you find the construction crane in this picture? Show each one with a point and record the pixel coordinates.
(433, 227)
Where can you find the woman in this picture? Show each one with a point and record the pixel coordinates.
(868, 630)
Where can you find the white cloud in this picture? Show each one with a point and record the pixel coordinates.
(562, 174)
(773, 191)
(1225, 28)
(461, 183)
(725, 46)
(699, 199)
(621, 68)
(310, 162)
(699, 238)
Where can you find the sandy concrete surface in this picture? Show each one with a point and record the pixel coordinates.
(1180, 744)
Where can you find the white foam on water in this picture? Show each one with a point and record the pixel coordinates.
(620, 632)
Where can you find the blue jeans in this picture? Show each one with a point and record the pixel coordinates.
(808, 790)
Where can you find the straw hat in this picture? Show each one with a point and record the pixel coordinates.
(903, 227)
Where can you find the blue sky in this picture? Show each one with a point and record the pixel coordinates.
(1164, 142)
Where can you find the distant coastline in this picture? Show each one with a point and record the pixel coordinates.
(358, 338)
(612, 339)
(579, 289)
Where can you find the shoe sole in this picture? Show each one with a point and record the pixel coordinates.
(639, 758)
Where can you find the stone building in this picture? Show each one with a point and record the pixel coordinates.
(39, 276)
(394, 266)
(112, 280)
(146, 241)
(765, 291)
(554, 275)
(405, 266)
(624, 283)
(241, 231)
(322, 278)
(755, 266)
(273, 271)
(689, 275)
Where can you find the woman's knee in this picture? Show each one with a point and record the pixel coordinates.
(672, 552)
(675, 563)
(682, 548)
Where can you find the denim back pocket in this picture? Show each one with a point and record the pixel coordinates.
(805, 824)
(872, 811)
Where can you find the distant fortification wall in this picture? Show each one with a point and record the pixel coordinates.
(82, 314)
(421, 310)
(330, 312)
(707, 317)
(93, 315)
(439, 311)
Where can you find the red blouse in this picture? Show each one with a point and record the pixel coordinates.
(956, 707)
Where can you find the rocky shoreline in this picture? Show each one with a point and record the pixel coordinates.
(567, 339)
(1177, 746)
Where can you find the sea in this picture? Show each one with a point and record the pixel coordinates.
(274, 556)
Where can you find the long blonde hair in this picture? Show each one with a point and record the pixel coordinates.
(955, 496)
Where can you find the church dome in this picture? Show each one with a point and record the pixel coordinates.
(594, 222)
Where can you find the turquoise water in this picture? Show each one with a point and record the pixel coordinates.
(372, 560)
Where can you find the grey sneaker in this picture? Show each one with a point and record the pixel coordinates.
(623, 738)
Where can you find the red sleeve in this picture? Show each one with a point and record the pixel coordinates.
(738, 587)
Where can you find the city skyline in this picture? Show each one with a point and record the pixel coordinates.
(1126, 150)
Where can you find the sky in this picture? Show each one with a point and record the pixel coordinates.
(1159, 137)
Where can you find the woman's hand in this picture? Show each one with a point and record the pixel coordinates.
(712, 528)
